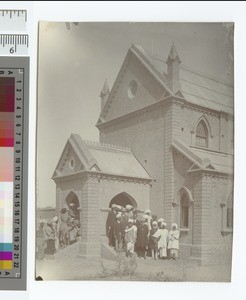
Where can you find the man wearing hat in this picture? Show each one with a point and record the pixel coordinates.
(142, 237)
(49, 235)
(63, 228)
(162, 236)
(73, 212)
(153, 241)
(148, 215)
(55, 225)
(130, 238)
(119, 233)
(129, 212)
(110, 225)
(173, 241)
(40, 240)
(124, 217)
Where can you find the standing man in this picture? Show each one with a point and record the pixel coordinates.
(130, 238)
(142, 237)
(49, 235)
(110, 225)
(119, 233)
(129, 211)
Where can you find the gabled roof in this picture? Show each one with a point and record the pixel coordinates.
(196, 87)
(148, 62)
(206, 90)
(102, 158)
(143, 57)
(218, 161)
(204, 159)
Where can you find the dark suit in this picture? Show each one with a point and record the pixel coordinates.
(110, 228)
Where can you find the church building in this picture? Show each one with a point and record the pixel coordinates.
(166, 143)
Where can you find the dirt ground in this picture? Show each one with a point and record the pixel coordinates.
(147, 270)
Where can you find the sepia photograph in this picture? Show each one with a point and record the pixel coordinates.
(135, 151)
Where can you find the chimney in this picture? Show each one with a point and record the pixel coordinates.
(104, 94)
(173, 62)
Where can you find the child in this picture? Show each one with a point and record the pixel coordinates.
(153, 243)
(173, 243)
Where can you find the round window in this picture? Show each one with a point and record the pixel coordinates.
(71, 163)
(132, 89)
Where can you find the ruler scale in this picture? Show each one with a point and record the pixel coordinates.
(13, 20)
(14, 91)
(11, 42)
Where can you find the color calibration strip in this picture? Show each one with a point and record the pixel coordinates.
(7, 120)
(12, 203)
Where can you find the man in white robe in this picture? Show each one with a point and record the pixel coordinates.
(162, 237)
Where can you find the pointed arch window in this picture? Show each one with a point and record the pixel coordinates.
(229, 212)
(202, 134)
(184, 213)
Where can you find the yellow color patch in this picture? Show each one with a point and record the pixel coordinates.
(6, 264)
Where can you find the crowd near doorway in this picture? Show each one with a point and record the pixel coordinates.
(70, 221)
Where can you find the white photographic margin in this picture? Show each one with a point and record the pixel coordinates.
(145, 12)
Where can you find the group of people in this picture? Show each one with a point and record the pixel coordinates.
(132, 231)
(127, 229)
(58, 232)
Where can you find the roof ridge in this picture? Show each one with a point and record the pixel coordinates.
(211, 77)
(106, 145)
(188, 68)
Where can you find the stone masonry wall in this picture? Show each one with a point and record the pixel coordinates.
(144, 134)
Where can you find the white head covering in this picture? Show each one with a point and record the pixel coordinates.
(118, 216)
(161, 220)
(130, 221)
(55, 219)
(145, 217)
(174, 224)
(147, 211)
(129, 207)
(154, 223)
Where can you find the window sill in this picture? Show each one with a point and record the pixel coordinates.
(226, 231)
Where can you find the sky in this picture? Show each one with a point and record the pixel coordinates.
(73, 64)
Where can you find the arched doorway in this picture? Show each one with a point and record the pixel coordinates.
(123, 199)
(72, 198)
(72, 202)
